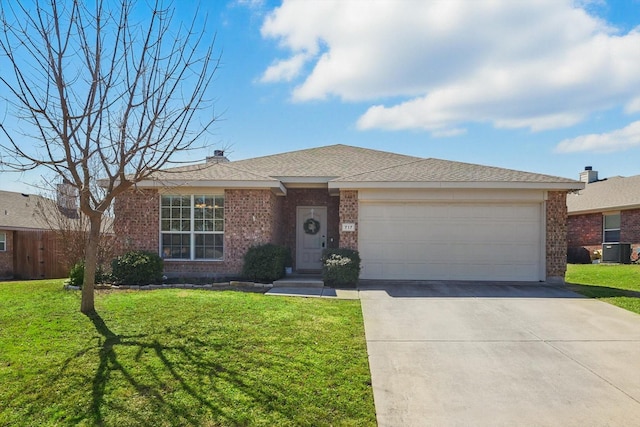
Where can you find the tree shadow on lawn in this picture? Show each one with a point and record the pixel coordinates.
(163, 390)
(596, 291)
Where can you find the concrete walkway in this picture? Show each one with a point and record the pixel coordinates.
(465, 354)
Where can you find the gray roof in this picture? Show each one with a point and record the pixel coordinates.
(614, 193)
(436, 170)
(343, 165)
(211, 172)
(18, 211)
(330, 161)
(25, 212)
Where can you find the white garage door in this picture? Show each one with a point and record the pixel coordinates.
(450, 241)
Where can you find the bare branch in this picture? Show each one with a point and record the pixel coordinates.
(99, 97)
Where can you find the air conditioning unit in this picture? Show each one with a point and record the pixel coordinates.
(616, 252)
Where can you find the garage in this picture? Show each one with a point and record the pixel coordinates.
(439, 240)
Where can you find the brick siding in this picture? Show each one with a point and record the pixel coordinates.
(584, 230)
(630, 230)
(136, 224)
(349, 214)
(556, 235)
(251, 218)
(6, 257)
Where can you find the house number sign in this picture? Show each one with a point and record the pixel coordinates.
(348, 226)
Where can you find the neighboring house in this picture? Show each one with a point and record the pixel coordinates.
(605, 212)
(28, 248)
(411, 218)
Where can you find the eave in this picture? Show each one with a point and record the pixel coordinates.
(275, 186)
(355, 185)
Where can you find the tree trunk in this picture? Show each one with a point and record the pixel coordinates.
(90, 264)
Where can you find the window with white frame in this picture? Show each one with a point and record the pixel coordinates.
(611, 232)
(3, 242)
(192, 227)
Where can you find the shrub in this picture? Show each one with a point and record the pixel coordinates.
(340, 267)
(76, 275)
(578, 255)
(266, 263)
(137, 268)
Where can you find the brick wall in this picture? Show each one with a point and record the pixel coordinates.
(136, 224)
(308, 197)
(349, 213)
(630, 229)
(6, 257)
(584, 230)
(556, 235)
(251, 218)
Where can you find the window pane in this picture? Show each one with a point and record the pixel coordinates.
(176, 246)
(176, 213)
(3, 242)
(612, 221)
(611, 236)
(209, 246)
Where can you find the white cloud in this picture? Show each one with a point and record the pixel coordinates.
(617, 140)
(251, 4)
(284, 70)
(435, 65)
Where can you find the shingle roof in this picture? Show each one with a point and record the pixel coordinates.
(610, 194)
(20, 211)
(345, 164)
(330, 161)
(211, 172)
(436, 170)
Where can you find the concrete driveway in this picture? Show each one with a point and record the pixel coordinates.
(482, 354)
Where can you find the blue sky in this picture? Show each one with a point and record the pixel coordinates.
(548, 86)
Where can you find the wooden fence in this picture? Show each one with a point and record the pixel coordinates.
(36, 255)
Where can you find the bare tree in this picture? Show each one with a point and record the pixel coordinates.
(112, 92)
(59, 214)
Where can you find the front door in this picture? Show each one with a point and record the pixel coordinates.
(311, 237)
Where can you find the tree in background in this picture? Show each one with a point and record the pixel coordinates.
(60, 215)
(112, 91)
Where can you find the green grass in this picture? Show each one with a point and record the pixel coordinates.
(614, 283)
(180, 357)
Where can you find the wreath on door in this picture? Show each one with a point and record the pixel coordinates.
(311, 226)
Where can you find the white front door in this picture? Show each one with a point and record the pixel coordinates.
(311, 237)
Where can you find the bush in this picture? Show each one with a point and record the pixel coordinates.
(266, 263)
(340, 267)
(76, 275)
(578, 255)
(137, 268)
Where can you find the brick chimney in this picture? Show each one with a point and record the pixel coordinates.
(588, 175)
(218, 157)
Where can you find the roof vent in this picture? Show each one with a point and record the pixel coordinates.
(218, 157)
(589, 175)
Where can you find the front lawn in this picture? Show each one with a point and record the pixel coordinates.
(180, 357)
(615, 283)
